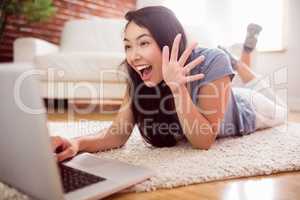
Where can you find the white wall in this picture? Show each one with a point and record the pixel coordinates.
(268, 63)
(283, 65)
(144, 3)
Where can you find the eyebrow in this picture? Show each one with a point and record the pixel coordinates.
(140, 36)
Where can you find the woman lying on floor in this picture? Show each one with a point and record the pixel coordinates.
(178, 92)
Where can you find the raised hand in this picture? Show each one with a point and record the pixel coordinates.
(174, 72)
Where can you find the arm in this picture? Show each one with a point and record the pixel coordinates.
(201, 122)
(200, 127)
(113, 137)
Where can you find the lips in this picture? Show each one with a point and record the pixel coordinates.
(144, 71)
(141, 67)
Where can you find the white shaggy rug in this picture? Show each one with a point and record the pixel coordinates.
(261, 153)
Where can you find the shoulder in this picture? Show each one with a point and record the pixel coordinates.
(213, 58)
(210, 54)
(215, 66)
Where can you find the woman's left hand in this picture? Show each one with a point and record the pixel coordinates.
(174, 72)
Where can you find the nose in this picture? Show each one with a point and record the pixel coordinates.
(135, 55)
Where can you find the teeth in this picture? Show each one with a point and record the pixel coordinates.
(142, 67)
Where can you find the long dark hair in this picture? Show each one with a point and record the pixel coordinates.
(149, 113)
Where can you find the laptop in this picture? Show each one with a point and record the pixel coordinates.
(26, 158)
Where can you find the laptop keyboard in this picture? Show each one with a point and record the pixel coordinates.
(73, 179)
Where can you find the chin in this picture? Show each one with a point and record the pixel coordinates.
(151, 83)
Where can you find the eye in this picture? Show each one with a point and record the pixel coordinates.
(145, 43)
(126, 47)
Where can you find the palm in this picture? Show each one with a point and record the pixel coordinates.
(173, 69)
(175, 72)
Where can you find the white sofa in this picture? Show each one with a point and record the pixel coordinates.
(85, 65)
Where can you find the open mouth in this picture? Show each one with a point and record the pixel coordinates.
(145, 71)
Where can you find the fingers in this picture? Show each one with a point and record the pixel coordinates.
(65, 148)
(193, 64)
(67, 153)
(165, 56)
(56, 141)
(194, 77)
(187, 52)
(175, 48)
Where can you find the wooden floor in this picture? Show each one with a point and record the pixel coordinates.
(278, 186)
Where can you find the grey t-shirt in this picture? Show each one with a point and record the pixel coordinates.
(239, 116)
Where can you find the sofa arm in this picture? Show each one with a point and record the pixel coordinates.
(25, 49)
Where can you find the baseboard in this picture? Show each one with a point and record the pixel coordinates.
(294, 104)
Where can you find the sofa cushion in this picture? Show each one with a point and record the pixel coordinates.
(82, 66)
(98, 34)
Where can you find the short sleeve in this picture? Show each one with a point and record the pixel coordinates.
(215, 66)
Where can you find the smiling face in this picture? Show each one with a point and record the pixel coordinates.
(143, 54)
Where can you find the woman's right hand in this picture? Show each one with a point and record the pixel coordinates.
(64, 148)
